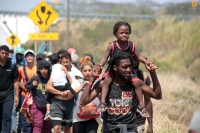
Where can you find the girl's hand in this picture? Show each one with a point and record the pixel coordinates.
(99, 69)
(35, 83)
(84, 83)
(95, 74)
(149, 66)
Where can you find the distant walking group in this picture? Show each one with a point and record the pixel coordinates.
(61, 92)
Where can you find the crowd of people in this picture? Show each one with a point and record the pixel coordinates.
(43, 93)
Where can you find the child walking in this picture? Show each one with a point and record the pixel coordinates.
(121, 31)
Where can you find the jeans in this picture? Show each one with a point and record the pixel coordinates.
(5, 115)
(14, 118)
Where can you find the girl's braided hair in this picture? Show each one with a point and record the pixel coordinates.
(116, 57)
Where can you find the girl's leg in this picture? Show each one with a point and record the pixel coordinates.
(138, 91)
(106, 82)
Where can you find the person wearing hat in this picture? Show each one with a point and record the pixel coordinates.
(39, 57)
(91, 57)
(25, 73)
(75, 59)
(19, 57)
(36, 85)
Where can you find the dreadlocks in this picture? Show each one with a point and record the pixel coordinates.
(116, 57)
(118, 24)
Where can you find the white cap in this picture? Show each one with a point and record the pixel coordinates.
(28, 51)
(74, 58)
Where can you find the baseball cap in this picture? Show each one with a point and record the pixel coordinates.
(20, 50)
(40, 56)
(91, 57)
(28, 51)
(10, 55)
(71, 51)
(74, 58)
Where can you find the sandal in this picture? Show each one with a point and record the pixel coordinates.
(102, 107)
(143, 111)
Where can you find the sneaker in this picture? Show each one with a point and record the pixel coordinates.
(47, 116)
(13, 131)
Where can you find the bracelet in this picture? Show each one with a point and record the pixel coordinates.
(90, 83)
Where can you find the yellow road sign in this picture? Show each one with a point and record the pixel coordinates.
(194, 3)
(43, 15)
(13, 40)
(43, 36)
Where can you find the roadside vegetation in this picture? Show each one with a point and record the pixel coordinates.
(173, 45)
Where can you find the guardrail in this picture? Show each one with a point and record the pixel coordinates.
(103, 16)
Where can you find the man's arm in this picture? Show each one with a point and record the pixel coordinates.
(16, 88)
(51, 89)
(148, 91)
(21, 85)
(88, 95)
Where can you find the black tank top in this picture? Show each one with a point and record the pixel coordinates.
(122, 103)
(115, 48)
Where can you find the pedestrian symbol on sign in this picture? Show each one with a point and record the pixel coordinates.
(43, 15)
(13, 40)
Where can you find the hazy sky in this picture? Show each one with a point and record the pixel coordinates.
(25, 25)
(27, 5)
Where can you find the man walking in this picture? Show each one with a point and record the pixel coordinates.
(121, 100)
(8, 83)
(25, 73)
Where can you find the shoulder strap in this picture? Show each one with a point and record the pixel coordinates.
(112, 47)
(25, 73)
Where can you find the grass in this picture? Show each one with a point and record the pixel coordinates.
(173, 45)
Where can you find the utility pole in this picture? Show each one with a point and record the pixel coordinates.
(67, 21)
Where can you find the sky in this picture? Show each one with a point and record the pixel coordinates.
(25, 25)
(27, 5)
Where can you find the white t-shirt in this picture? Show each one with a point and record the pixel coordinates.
(76, 108)
(58, 75)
